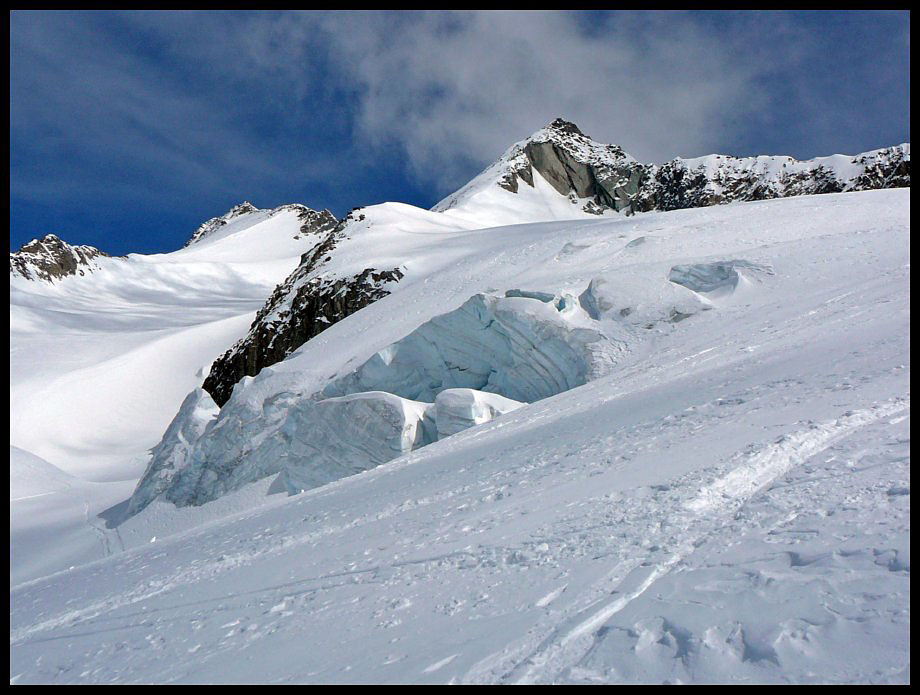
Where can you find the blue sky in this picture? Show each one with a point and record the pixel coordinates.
(127, 130)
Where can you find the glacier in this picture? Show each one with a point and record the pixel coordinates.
(728, 498)
(454, 371)
(524, 437)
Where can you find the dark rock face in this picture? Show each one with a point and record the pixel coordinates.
(301, 307)
(603, 175)
(51, 259)
(612, 185)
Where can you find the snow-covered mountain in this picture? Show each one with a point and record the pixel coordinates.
(103, 350)
(50, 258)
(520, 437)
(598, 177)
(556, 174)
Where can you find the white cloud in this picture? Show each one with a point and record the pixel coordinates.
(454, 89)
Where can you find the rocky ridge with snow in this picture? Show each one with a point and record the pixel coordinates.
(601, 177)
(304, 305)
(51, 258)
(596, 178)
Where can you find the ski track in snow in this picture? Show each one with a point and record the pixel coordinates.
(731, 503)
(721, 497)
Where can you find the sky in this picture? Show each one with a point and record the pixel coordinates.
(129, 129)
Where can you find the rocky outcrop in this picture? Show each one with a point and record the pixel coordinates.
(601, 177)
(50, 258)
(303, 306)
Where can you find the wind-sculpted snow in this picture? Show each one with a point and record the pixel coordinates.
(171, 455)
(459, 409)
(711, 277)
(519, 347)
(639, 301)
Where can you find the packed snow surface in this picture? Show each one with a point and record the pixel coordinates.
(728, 500)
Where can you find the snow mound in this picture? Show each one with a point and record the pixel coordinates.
(519, 347)
(636, 300)
(460, 409)
(708, 277)
(718, 280)
(33, 476)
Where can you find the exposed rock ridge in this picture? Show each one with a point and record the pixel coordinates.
(50, 258)
(301, 307)
(602, 177)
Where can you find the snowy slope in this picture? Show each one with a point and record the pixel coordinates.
(99, 363)
(557, 174)
(101, 358)
(728, 501)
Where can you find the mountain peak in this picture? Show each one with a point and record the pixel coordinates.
(596, 177)
(51, 258)
(215, 223)
(563, 126)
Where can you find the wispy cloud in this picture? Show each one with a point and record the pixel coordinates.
(191, 111)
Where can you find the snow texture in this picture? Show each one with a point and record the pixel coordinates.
(705, 476)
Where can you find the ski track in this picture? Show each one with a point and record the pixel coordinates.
(542, 547)
(574, 635)
(567, 645)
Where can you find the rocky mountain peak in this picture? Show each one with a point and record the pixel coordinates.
(215, 223)
(564, 126)
(600, 177)
(51, 258)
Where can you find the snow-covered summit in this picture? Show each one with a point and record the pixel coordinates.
(583, 177)
(51, 258)
(589, 177)
(245, 214)
(212, 225)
